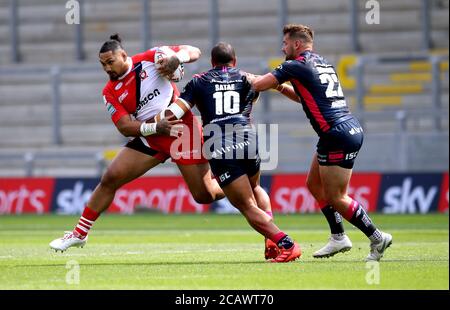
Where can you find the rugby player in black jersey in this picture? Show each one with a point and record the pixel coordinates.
(224, 97)
(315, 84)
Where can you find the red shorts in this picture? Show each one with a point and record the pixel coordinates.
(184, 150)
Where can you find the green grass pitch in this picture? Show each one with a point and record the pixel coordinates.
(217, 252)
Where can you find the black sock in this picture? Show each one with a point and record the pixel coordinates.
(362, 221)
(286, 242)
(334, 220)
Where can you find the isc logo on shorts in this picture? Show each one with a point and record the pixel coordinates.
(351, 156)
(225, 177)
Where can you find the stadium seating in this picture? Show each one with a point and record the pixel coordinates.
(26, 111)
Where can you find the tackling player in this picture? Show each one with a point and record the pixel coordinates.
(136, 93)
(224, 97)
(316, 86)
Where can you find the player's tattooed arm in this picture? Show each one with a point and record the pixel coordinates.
(129, 127)
(186, 54)
(132, 128)
(264, 82)
(168, 122)
(166, 126)
(168, 65)
(251, 77)
(268, 81)
(288, 91)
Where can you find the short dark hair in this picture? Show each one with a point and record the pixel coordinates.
(301, 32)
(222, 54)
(113, 44)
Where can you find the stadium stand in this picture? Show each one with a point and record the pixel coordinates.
(401, 90)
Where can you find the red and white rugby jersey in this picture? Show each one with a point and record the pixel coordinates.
(141, 91)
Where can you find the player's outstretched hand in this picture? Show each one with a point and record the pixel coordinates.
(169, 126)
(251, 77)
(168, 66)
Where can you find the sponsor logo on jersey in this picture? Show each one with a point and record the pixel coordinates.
(119, 86)
(338, 104)
(226, 81)
(147, 99)
(111, 109)
(123, 96)
(143, 75)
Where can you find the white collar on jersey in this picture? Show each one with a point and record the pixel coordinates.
(130, 67)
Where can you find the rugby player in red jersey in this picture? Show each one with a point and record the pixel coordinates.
(136, 93)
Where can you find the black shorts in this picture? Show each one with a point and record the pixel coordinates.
(138, 145)
(233, 155)
(341, 144)
(228, 170)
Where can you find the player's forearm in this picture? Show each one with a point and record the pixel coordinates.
(192, 52)
(133, 128)
(264, 82)
(144, 129)
(288, 91)
(130, 128)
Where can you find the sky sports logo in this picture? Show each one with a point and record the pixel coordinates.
(384, 193)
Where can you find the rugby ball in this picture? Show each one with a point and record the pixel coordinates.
(164, 52)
